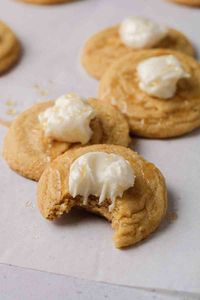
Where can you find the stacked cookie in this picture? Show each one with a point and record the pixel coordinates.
(78, 149)
(148, 72)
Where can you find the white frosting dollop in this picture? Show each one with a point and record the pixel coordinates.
(138, 32)
(103, 175)
(68, 120)
(158, 76)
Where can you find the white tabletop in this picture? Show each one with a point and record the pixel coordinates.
(19, 283)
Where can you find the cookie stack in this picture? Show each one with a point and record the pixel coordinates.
(78, 149)
(148, 72)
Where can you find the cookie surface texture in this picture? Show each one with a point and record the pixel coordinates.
(149, 116)
(28, 152)
(102, 49)
(137, 214)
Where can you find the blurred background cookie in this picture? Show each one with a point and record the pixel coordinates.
(133, 34)
(9, 48)
(187, 2)
(46, 1)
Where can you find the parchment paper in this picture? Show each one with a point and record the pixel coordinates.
(80, 244)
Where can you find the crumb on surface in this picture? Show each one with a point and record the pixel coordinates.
(10, 102)
(11, 112)
(40, 90)
(29, 204)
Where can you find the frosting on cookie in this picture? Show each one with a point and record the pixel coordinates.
(158, 76)
(100, 174)
(138, 32)
(68, 120)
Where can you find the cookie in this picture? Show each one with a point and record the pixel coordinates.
(9, 48)
(46, 1)
(28, 151)
(137, 214)
(105, 47)
(188, 2)
(149, 116)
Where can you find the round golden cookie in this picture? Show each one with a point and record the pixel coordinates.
(28, 151)
(105, 47)
(45, 1)
(187, 2)
(137, 214)
(149, 116)
(9, 48)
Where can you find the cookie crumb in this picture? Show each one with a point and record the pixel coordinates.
(11, 112)
(10, 103)
(41, 91)
(29, 204)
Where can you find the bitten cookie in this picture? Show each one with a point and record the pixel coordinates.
(157, 90)
(187, 2)
(135, 214)
(134, 34)
(49, 2)
(28, 147)
(9, 48)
